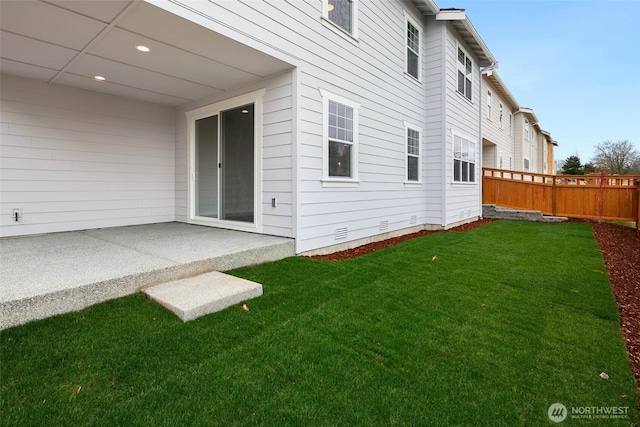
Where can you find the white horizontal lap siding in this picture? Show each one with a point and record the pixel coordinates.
(277, 157)
(491, 130)
(72, 159)
(277, 152)
(434, 114)
(462, 201)
(369, 72)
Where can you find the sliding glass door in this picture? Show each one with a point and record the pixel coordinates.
(224, 165)
(237, 164)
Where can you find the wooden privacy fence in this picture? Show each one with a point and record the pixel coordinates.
(610, 197)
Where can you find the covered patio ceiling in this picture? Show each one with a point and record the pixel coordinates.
(71, 42)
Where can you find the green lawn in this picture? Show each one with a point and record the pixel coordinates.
(507, 320)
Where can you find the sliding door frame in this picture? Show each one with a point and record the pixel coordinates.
(217, 108)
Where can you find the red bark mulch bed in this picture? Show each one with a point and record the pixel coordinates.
(620, 248)
(376, 246)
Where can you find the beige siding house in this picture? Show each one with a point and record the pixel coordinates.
(512, 138)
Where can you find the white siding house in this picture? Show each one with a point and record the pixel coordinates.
(511, 136)
(497, 126)
(332, 123)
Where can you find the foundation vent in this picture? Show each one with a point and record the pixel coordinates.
(413, 219)
(341, 233)
(384, 225)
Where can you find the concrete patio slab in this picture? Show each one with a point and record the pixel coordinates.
(50, 274)
(204, 294)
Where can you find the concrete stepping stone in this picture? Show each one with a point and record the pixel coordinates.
(206, 293)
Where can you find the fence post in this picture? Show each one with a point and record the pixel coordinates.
(553, 195)
(636, 204)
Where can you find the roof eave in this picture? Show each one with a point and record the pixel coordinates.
(528, 112)
(469, 34)
(499, 85)
(427, 7)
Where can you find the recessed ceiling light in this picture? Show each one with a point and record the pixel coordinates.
(99, 78)
(142, 48)
(245, 111)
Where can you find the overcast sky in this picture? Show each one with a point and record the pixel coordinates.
(575, 63)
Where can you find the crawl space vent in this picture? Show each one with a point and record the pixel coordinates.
(341, 233)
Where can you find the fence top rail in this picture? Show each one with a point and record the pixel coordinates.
(621, 181)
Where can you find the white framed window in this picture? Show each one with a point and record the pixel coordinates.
(340, 140)
(413, 174)
(526, 131)
(413, 48)
(465, 73)
(342, 15)
(489, 105)
(526, 164)
(464, 160)
(500, 117)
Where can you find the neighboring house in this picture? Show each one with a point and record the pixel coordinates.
(511, 135)
(332, 122)
(498, 139)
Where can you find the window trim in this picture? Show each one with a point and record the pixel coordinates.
(526, 164)
(409, 126)
(349, 36)
(408, 19)
(333, 181)
(501, 112)
(526, 130)
(470, 76)
(462, 136)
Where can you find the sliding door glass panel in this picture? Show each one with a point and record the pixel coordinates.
(206, 167)
(237, 155)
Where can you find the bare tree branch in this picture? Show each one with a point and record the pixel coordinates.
(616, 157)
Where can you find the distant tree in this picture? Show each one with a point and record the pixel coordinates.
(589, 168)
(616, 157)
(635, 169)
(572, 166)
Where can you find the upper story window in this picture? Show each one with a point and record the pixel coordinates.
(343, 14)
(489, 105)
(510, 124)
(526, 165)
(413, 153)
(412, 48)
(465, 73)
(500, 117)
(340, 139)
(526, 130)
(464, 160)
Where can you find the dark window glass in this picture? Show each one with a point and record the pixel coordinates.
(339, 159)
(340, 13)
